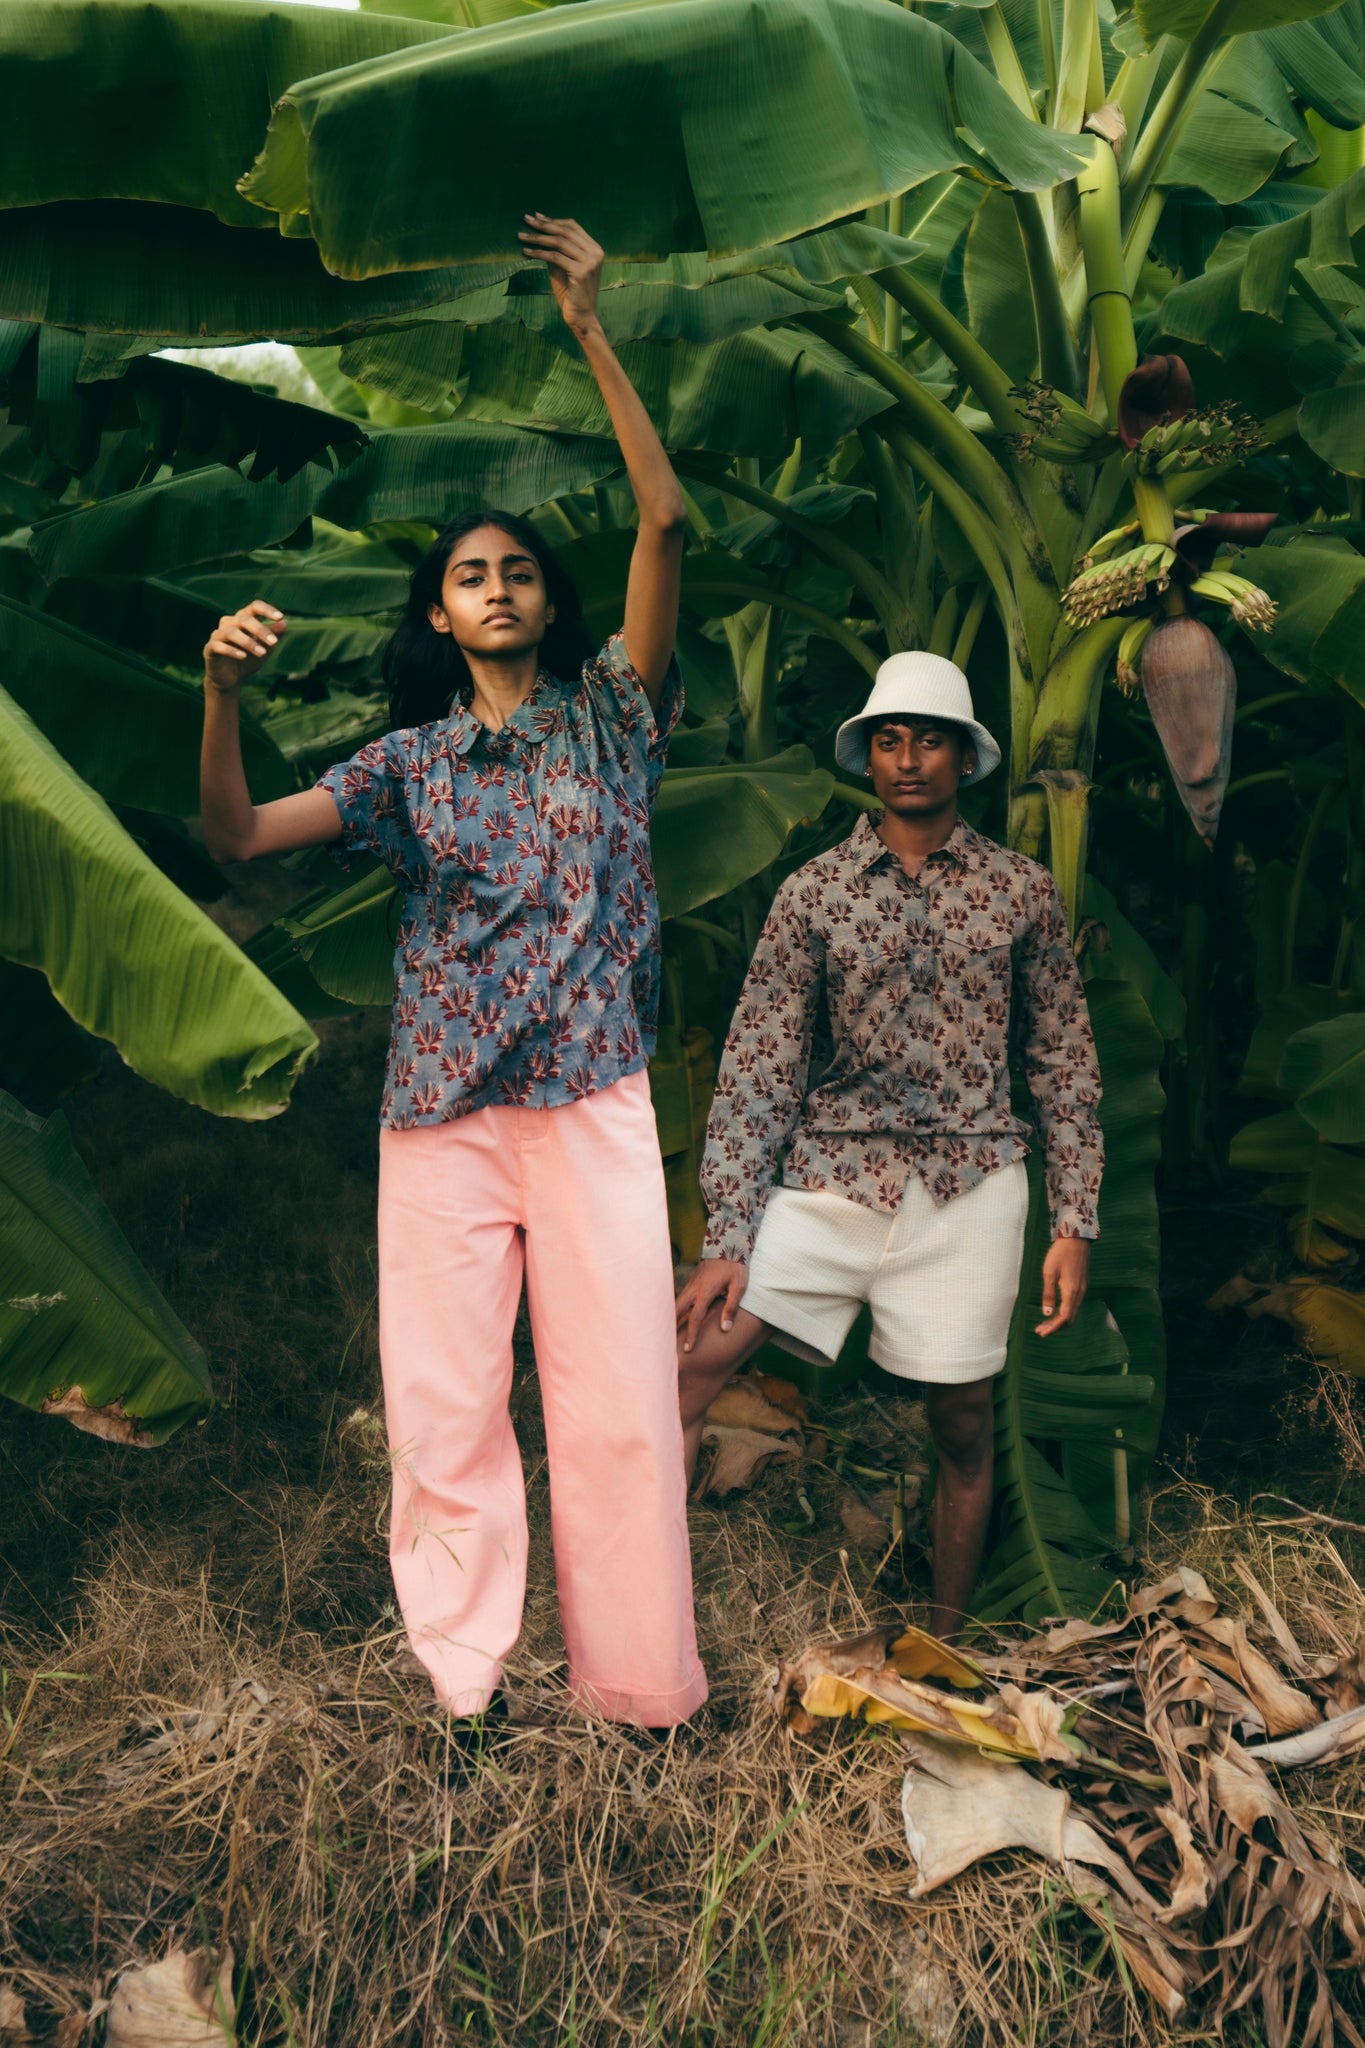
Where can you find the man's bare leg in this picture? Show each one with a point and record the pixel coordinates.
(714, 1359)
(962, 1423)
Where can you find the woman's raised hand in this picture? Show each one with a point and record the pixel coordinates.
(574, 262)
(240, 643)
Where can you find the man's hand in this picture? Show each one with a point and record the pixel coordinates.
(1066, 1273)
(240, 643)
(574, 262)
(714, 1280)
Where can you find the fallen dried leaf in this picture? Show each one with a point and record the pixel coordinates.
(862, 1527)
(111, 1423)
(742, 1406)
(742, 1455)
(177, 2003)
(14, 2031)
(782, 1394)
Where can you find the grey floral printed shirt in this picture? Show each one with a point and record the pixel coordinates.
(526, 968)
(871, 1038)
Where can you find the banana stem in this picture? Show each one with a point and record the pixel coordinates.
(1138, 239)
(862, 574)
(1111, 315)
(990, 383)
(1203, 52)
(929, 417)
(977, 529)
(1047, 38)
(1132, 88)
(1327, 796)
(1079, 30)
(895, 313)
(1057, 362)
(1005, 58)
(971, 624)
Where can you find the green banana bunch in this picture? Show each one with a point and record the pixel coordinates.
(1130, 647)
(1061, 431)
(1114, 585)
(1220, 434)
(1117, 537)
(1248, 603)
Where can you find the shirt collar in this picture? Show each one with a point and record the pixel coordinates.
(863, 848)
(528, 722)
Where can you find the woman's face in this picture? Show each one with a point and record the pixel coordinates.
(493, 596)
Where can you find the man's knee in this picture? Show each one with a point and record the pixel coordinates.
(962, 1423)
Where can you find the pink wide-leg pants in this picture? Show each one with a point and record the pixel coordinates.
(574, 1196)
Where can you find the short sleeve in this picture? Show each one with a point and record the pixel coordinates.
(370, 792)
(625, 702)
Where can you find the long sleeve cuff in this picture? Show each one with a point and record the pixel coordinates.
(1075, 1166)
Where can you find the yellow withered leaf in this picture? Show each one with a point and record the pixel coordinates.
(917, 1654)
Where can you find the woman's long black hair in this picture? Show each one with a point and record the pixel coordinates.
(426, 671)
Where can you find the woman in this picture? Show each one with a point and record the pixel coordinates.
(516, 1129)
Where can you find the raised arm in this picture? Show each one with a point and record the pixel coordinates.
(234, 827)
(574, 262)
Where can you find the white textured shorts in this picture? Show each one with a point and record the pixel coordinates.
(941, 1280)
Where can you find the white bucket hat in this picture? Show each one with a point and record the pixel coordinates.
(916, 685)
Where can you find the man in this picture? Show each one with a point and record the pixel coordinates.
(870, 1046)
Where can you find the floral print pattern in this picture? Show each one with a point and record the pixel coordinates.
(872, 1036)
(526, 967)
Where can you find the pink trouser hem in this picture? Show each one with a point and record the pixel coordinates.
(640, 1709)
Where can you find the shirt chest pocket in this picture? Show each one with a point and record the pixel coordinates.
(973, 969)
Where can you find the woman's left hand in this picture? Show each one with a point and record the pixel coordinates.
(574, 262)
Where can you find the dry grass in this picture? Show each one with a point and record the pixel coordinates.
(213, 1731)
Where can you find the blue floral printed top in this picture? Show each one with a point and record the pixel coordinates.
(527, 963)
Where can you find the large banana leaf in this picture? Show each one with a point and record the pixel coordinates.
(716, 124)
(1256, 274)
(753, 395)
(171, 274)
(1324, 1071)
(1184, 18)
(1070, 1404)
(83, 1332)
(148, 99)
(715, 827)
(1319, 630)
(174, 413)
(690, 297)
(126, 953)
(129, 729)
(404, 473)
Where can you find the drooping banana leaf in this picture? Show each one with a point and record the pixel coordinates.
(178, 415)
(419, 472)
(1184, 18)
(129, 956)
(1069, 1404)
(1324, 1072)
(840, 102)
(690, 297)
(145, 99)
(83, 1332)
(1255, 275)
(1319, 630)
(132, 268)
(753, 395)
(129, 729)
(714, 827)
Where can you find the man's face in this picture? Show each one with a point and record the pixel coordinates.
(915, 766)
